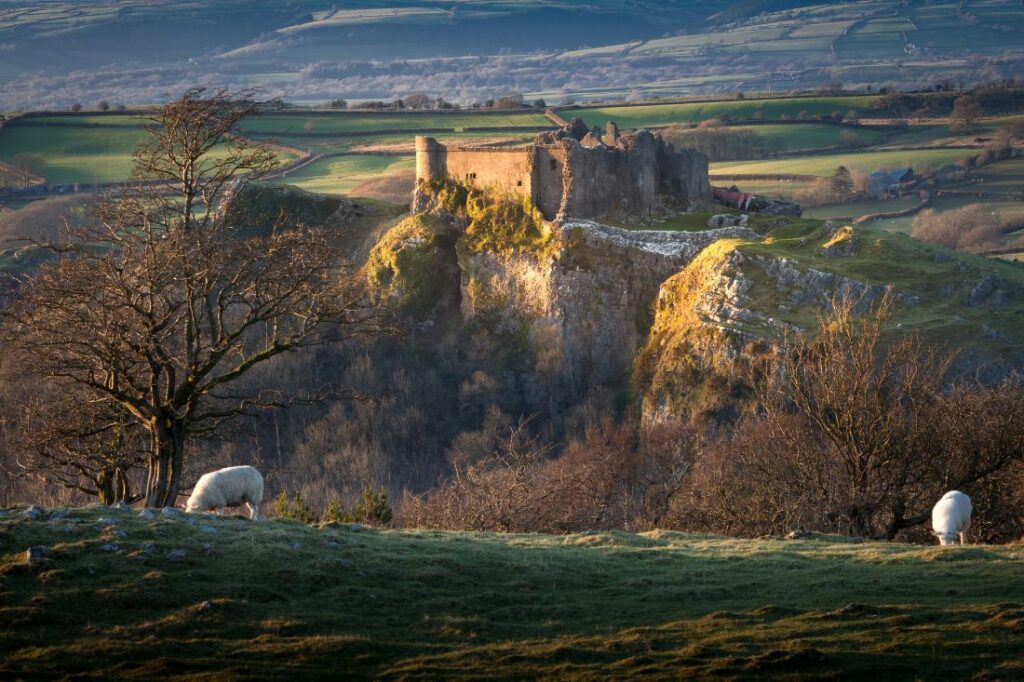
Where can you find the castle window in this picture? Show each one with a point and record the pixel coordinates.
(519, 183)
(554, 165)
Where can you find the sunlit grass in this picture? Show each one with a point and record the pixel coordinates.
(276, 599)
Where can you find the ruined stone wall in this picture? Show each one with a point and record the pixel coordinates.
(508, 170)
(548, 179)
(683, 177)
(563, 177)
(606, 179)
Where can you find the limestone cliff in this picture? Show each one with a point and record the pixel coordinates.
(661, 317)
(585, 306)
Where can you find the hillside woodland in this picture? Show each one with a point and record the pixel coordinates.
(473, 367)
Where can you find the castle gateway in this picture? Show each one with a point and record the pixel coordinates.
(574, 173)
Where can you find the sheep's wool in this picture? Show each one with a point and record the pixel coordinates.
(230, 487)
(951, 516)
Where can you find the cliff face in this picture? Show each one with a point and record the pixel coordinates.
(662, 317)
(585, 307)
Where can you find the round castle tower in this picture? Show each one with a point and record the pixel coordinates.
(430, 159)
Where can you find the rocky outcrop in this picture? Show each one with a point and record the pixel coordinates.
(586, 306)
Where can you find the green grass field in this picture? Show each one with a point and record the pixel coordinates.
(279, 600)
(804, 136)
(652, 115)
(74, 154)
(339, 175)
(78, 150)
(823, 165)
(355, 122)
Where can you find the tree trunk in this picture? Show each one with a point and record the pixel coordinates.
(105, 487)
(165, 463)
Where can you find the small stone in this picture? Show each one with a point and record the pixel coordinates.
(34, 555)
(208, 547)
(59, 514)
(105, 521)
(347, 563)
(117, 532)
(356, 527)
(146, 514)
(296, 546)
(852, 607)
(169, 512)
(69, 528)
(110, 547)
(176, 555)
(208, 529)
(331, 543)
(122, 507)
(206, 606)
(148, 547)
(799, 534)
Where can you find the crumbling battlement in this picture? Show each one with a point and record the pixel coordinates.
(574, 173)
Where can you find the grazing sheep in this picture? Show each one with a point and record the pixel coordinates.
(230, 487)
(951, 516)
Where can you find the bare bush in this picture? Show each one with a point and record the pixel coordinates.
(970, 228)
(614, 477)
(856, 433)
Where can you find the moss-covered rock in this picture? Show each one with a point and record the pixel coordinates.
(256, 210)
(505, 225)
(411, 267)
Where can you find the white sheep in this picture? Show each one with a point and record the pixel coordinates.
(229, 487)
(951, 516)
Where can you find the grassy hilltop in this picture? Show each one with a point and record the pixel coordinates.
(120, 596)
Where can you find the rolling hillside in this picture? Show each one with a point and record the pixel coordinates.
(115, 595)
(63, 52)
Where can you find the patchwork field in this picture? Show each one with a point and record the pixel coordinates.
(339, 175)
(361, 122)
(79, 149)
(655, 115)
(823, 165)
(70, 153)
(120, 596)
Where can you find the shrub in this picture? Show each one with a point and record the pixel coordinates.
(374, 509)
(294, 508)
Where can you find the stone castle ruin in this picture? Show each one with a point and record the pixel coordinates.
(576, 172)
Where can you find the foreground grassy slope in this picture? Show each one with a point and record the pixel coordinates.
(276, 600)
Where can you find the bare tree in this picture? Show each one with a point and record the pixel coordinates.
(28, 166)
(860, 432)
(966, 112)
(159, 310)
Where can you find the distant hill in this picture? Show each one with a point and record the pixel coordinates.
(62, 52)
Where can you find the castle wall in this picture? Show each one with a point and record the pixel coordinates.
(509, 170)
(621, 178)
(548, 179)
(563, 177)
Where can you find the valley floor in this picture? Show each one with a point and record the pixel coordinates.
(114, 595)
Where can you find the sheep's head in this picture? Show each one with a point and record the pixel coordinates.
(191, 506)
(945, 538)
